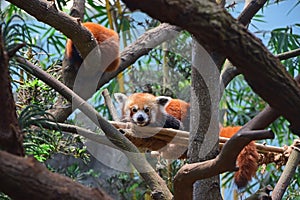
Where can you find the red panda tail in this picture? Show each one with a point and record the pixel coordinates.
(246, 160)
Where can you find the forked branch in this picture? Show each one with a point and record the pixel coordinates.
(225, 161)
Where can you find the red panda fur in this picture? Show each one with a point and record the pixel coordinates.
(178, 109)
(246, 160)
(101, 34)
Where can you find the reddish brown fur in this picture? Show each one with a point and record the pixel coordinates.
(101, 34)
(178, 109)
(140, 100)
(246, 160)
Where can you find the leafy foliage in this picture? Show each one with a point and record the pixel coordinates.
(129, 186)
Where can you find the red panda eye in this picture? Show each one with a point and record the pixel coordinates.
(134, 110)
(147, 110)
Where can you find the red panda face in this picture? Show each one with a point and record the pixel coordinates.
(142, 108)
(141, 115)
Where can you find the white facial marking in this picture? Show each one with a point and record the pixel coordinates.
(140, 118)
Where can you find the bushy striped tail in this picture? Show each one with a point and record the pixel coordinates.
(246, 160)
(247, 163)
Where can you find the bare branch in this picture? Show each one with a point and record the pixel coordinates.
(164, 134)
(248, 13)
(13, 51)
(110, 106)
(289, 54)
(288, 172)
(260, 147)
(230, 72)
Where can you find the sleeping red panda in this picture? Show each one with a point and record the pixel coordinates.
(108, 41)
(247, 159)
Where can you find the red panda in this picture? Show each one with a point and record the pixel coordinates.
(138, 108)
(144, 109)
(108, 41)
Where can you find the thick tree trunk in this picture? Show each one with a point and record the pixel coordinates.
(204, 131)
(25, 178)
(11, 138)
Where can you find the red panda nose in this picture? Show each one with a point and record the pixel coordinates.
(140, 118)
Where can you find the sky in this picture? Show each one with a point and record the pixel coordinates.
(276, 15)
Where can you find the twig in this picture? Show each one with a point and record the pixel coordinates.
(260, 147)
(13, 51)
(289, 54)
(288, 172)
(110, 106)
(101, 139)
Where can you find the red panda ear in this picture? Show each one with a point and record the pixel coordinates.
(163, 100)
(121, 98)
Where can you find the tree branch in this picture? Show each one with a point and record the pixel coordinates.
(289, 54)
(142, 46)
(26, 178)
(46, 11)
(251, 9)
(214, 27)
(154, 181)
(225, 161)
(163, 134)
(230, 72)
(288, 172)
(110, 106)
